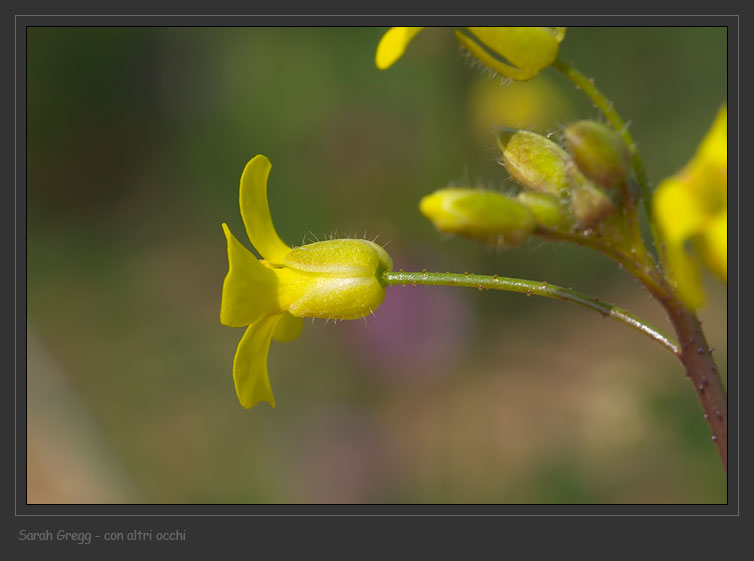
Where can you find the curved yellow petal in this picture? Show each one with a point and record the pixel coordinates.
(250, 363)
(525, 50)
(249, 288)
(255, 210)
(288, 328)
(393, 44)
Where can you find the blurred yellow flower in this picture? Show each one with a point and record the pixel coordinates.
(514, 52)
(334, 279)
(692, 206)
(521, 105)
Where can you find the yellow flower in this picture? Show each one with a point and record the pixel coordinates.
(692, 206)
(334, 279)
(534, 104)
(515, 52)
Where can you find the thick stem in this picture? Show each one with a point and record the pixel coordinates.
(483, 282)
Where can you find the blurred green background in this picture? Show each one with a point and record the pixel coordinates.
(136, 142)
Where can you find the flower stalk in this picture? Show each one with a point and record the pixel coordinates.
(537, 288)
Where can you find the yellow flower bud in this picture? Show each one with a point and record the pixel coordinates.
(338, 279)
(334, 279)
(534, 161)
(600, 153)
(486, 216)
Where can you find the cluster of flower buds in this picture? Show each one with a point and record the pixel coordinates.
(563, 189)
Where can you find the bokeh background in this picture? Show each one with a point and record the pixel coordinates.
(136, 142)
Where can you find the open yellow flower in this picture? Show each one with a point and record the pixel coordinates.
(334, 279)
(692, 206)
(519, 53)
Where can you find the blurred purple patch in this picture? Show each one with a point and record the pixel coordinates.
(417, 333)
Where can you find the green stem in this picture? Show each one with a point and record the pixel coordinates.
(608, 110)
(528, 287)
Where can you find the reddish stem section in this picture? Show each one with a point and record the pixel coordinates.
(695, 353)
(696, 356)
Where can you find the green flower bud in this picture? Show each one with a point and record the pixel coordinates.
(589, 203)
(534, 161)
(549, 211)
(482, 215)
(600, 153)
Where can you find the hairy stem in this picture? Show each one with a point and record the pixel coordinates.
(484, 282)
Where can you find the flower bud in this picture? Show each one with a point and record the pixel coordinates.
(482, 215)
(534, 161)
(549, 211)
(600, 153)
(589, 203)
(339, 279)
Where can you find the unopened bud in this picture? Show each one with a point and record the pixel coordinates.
(482, 215)
(549, 211)
(600, 153)
(589, 203)
(534, 161)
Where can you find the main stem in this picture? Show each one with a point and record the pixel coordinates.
(528, 287)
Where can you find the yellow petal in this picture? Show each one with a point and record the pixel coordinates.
(288, 328)
(714, 147)
(393, 44)
(685, 275)
(255, 211)
(679, 218)
(677, 211)
(250, 364)
(706, 175)
(515, 52)
(249, 288)
(714, 245)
